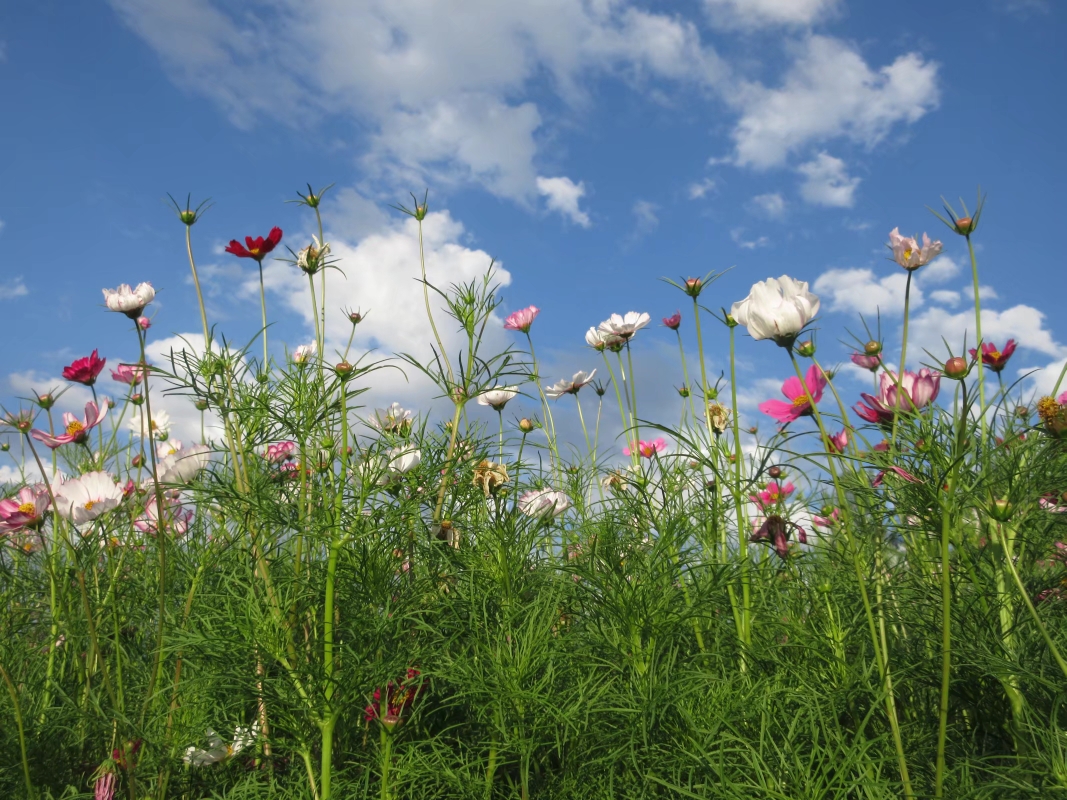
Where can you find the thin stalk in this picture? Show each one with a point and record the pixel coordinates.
(739, 506)
(30, 791)
(550, 428)
(898, 405)
(622, 407)
(685, 375)
(1010, 561)
(386, 762)
(633, 390)
(978, 333)
(315, 316)
(263, 308)
(429, 312)
(196, 283)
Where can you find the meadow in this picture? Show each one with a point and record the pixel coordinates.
(862, 597)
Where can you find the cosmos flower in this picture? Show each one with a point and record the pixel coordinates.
(624, 326)
(256, 248)
(218, 750)
(85, 370)
(497, 397)
(176, 519)
(159, 426)
(313, 257)
(75, 430)
(772, 494)
(867, 362)
(403, 459)
(182, 464)
(799, 405)
(87, 497)
(522, 319)
(908, 253)
(673, 321)
(25, 510)
(397, 698)
(490, 476)
(543, 503)
(836, 443)
(917, 390)
(279, 452)
(572, 386)
(828, 521)
(130, 374)
(645, 449)
(777, 308)
(775, 530)
(130, 302)
(993, 358)
(304, 353)
(393, 419)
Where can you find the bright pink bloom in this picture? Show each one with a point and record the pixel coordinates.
(880, 477)
(673, 321)
(282, 451)
(1062, 399)
(838, 441)
(129, 374)
(85, 370)
(799, 406)
(24, 510)
(917, 390)
(773, 494)
(398, 700)
(827, 522)
(1050, 503)
(867, 362)
(645, 449)
(522, 319)
(995, 359)
(77, 431)
(255, 248)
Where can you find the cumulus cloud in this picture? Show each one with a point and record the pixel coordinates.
(771, 204)
(860, 291)
(10, 289)
(765, 13)
(942, 269)
(563, 195)
(945, 297)
(827, 182)
(1021, 322)
(830, 92)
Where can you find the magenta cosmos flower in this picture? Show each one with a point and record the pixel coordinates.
(918, 390)
(773, 494)
(85, 370)
(256, 248)
(836, 443)
(282, 451)
(993, 358)
(522, 319)
(24, 510)
(176, 518)
(799, 405)
(673, 321)
(867, 362)
(76, 430)
(645, 449)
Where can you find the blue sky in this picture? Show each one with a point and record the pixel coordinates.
(590, 147)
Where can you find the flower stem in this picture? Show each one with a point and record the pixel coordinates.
(742, 543)
(196, 283)
(897, 404)
(30, 791)
(978, 333)
(429, 313)
(263, 308)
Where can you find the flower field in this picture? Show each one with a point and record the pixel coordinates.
(863, 597)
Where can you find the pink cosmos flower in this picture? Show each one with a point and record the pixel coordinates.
(104, 789)
(795, 391)
(176, 517)
(838, 441)
(1050, 503)
(673, 321)
(775, 529)
(77, 431)
(918, 390)
(130, 374)
(282, 451)
(144, 323)
(867, 362)
(879, 479)
(25, 510)
(522, 319)
(908, 253)
(87, 497)
(827, 522)
(85, 370)
(773, 494)
(645, 449)
(1062, 399)
(995, 359)
(544, 503)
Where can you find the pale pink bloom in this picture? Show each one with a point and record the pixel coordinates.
(282, 451)
(571, 386)
(522, 319)
(839, 441)
(867, 362)
(624, 326)
(130, 374)
(25, 510)
(773, 494)
(799, 405)
(130, 302)
(104, 788)
(908, 253)
(645, 449)
(182, 464)
(87, 497)
(176, 517)
(543, 503)
(827, 522)
(1062, 399)
(777, 308)
(922, 387)
(917, 391)
(497, 397)
(75, 430)
(1048, 503)
(304, 353)
(673, 321)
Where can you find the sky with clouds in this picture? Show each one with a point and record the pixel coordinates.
(590, 147)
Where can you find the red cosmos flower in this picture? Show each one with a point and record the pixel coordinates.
(398, 700)
(255, 248)
(85, 370)
(995, 359)
(77, 431)
(673, 321)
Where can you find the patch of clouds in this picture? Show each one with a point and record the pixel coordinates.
(563, 196)
(945, 297)
(827, 182)
(750, 14)
(771, 204)
(16, 287)
(860, 291)
(646, 219)
(737, 235)
(942, 269)
(1023, 323)
(698, 190)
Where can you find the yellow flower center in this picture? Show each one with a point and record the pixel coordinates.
(800, 401)
(254, 251)
(994, 355)
(907, 254)
(74, 428)
(89, 505)
(29, 509)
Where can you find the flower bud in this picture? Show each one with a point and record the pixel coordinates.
(872, 348)
(46, 401)
(775, 472)
(806, 349)
(187, 215)
(262, 377)
(683, 391)
(343, 370)
(710, 484)
(965, 226)
(824, 587)
(138, 460)
(712, 393)
(956, 368)
(144, 323)
(355, 317)
(4, 447)
(1022, 412)
(730, 321)
(200, 405)
(110, 403)
(1001, 509)
(693, 286)
(137, 399)
(753, 430)
(526, 425)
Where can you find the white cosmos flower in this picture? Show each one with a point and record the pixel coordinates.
(777, 308)
(304, 353)
(138, 422)
(624, 325)
(393, 419)
(571, 386)
(218, 750)
(182, 464)
(87, 497)
(497, 397)
(403, 459)
(130, 302)
(544, 503)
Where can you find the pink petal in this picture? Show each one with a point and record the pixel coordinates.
(780, 410)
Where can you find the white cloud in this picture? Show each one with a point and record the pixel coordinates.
(16, 287)
(698, 190)
(1044, 379)
(772, 204)
(738, 237)
(941, 269)
(985, 292)
(830, 92)
(945, 297)
(1023, 323)
(645, 218)
(827, 182)
(762, 13)
(859, 291)
(563, 195)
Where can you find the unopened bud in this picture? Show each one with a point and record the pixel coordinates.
(1022, 411)
(355, 317)
(46, 401)
(200, 405)
(730, 321)
(343, 370)
(138, 460)
(965, 226)
(683, 391)
(694, 286)
(4, 447)
(775, 472)
(806, 349)
(872, 348)
(144, 323)
(1001, 509)
(712, 393)
(956, 368)
(110, 402)
(187, 215)
(137, 399)
(526, 425)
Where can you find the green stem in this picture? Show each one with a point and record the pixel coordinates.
(1006, 535)
(263, 308)
(633, 391)
(739, 506)
(30, 791)
(429, 313)
(622, 407)
(685, 377)
(978, 333)
(386, 762)
(899, 405)
(196, 283)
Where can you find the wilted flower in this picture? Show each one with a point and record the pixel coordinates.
(85, 498)
(25, 510)
(130, 302)
(867, 362)
(544, 503)
(159, 426)
(777, 308)
(673, 321)
(256, 248)
(75, 430)
(623, 326)
(104, 787)
(797, 392)
(497, 397)
(313, 257)
(908, 253)
(775, 529)
(490, 476)
(398, 699)
(85, 370)
(719, 416)
(522, 319)
(403, 459)
(393, 419)
(572, 386)
(218, 750)
(898, 471)
(645, 449)
(993, 358)
(130, 374)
